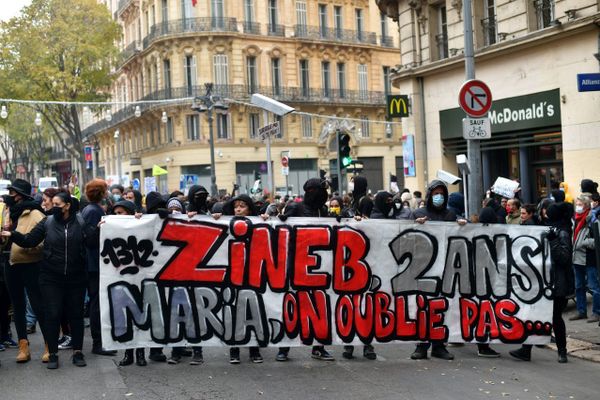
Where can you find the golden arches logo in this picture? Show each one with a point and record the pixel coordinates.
(397, 107)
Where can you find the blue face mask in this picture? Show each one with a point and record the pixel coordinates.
(438, 200)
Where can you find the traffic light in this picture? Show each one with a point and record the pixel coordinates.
(344, 148)
(256, 176)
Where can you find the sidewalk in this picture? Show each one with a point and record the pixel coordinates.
(583, 338)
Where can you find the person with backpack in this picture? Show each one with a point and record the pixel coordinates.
(63, 270)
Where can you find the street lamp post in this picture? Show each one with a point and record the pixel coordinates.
(206, 103)
(118, 143)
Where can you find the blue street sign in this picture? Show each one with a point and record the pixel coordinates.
(588, 82)
(135, 184)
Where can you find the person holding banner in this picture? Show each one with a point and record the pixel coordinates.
(436, 209)
(561, 252)
(63, 271)
(312, 205)
(242, 206)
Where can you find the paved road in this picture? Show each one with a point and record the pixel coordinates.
(392, 376)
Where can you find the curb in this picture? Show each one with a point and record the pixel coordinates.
(580, 349)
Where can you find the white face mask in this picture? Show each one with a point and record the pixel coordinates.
(398, 206)
(579, 209)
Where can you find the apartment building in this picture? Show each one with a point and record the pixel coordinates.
(529, 52)
(329, 58)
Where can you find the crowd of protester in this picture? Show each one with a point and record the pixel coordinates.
(50, 253)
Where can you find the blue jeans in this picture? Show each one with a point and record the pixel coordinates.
(29, 314)
(586, 278)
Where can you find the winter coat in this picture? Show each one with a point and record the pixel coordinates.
(92, 214)
(562, 272)
(513, 219)
(584, 246)
(434, 213)
(304, 210)
(26, 222)
(64, 244)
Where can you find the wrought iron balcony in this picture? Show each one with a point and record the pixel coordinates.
(58, 155)
(386, 41)
(276, 30)
(132, 49)
(251, 27)
(490, 30)
(243, 92)
(190, 25)
(123, 5)
(335, 34)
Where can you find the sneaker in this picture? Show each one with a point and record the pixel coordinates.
(64, 343)
(197, 358)
(521, 353)
(174, 359)
(255, 356)
(234, 355)
(578, 317)
(79, 359)
(488, 352)
(9, 343)
(442, 353)
(282, 356)
(319, 353)
(52, 361)
(2, 348)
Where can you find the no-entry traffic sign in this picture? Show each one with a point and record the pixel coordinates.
(475, 98)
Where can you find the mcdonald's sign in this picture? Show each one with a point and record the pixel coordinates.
(397, 106)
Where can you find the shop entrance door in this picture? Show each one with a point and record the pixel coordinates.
(547, 177)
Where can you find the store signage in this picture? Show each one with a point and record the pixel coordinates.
(397, 106)
(588, 82)
(537, 111)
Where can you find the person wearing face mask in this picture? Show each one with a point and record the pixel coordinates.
(313, 205)
(402, 210)
(435, 210)
(197, 196)
(63, 272)
(175, 206)
(361, 203)
(117, 192)
(514, 212)
(22, 269)
(584, 262)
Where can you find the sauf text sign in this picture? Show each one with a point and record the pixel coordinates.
(238, 281)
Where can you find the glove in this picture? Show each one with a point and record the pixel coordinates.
(163, 213)
(552, 234)
(338, 218)
(282, 217)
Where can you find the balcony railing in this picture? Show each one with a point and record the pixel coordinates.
(490, 36)
(386, 41)
(242, 92)
(336, 35)
(123, 4)
(58, 155)
(276, 30)
(251, 27)
(190, 25)
(132, 49)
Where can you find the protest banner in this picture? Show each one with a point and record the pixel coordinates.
(505, 187)
(239, 281)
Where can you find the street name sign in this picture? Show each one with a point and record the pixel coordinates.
(588, 82)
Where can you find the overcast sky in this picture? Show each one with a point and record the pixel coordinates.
(10, 8)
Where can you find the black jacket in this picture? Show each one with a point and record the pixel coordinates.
(432, 213)
(561, 251)
(304, 210)
(64, 243)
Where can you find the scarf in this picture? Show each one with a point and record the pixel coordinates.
(16, 210)
(580, 222)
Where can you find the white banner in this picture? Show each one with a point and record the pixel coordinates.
(239, 281)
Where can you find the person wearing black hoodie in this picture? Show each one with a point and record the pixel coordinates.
(242, 206)
(589, 186)
(384, 208)
(561, 251)
(313, 205)
(436, 209)
(197, 196)
(361, 203)
(63, 272)
(23, 268)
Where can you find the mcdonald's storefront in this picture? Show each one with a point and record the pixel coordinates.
(526, 142)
